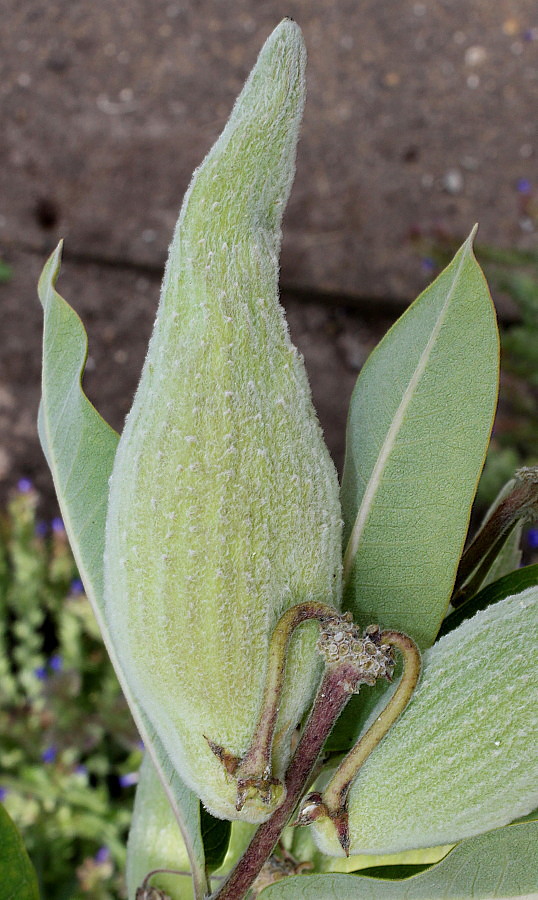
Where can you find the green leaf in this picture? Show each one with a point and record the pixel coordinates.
(502, 863)
(418, 429)
(18, 879)
(395, 873)
(216, 838)
(513, 583)
(80, 449)
(462, 758)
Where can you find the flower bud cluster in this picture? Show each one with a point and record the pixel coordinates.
(341, 640)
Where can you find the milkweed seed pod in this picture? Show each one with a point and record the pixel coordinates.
(224, 507)
(462, 759)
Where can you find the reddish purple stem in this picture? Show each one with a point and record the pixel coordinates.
(333, 694)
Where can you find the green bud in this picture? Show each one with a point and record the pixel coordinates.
(461, 760)
(224, 508)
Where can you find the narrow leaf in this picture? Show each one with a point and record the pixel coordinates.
(216, 838)
(80, 449)
(500, 864)
(18, 879)
(513, 583)
(418, 429)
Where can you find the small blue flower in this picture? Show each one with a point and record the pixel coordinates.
(128, 780)
(523, 186)
(427, 264)
(41, 529)
(532, 538)
(56, 663)
(49, 755)
(41, 673)
(76, 586)
(58, 526)
(81, 770)
(3, 794)
(102, 855)
(24, 485)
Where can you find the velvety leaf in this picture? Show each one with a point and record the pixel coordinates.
(462, 757)
(18, 879)
(80, 449)
(418, 430)
(499, 864)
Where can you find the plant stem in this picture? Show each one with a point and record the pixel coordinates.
(333, 694)
(521, 502)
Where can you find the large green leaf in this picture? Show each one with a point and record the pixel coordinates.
(418, 429)
(18, 879)
(500, 864)
(80, 449)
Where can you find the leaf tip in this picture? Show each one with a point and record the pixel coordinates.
(470, 239)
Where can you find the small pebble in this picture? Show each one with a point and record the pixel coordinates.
(475, 56)
(510, 27)
(453, 181)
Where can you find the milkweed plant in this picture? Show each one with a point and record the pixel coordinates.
(336, 694)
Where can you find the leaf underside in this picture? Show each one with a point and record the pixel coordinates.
(80, 448)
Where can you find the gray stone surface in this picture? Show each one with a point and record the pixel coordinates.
(421, 116)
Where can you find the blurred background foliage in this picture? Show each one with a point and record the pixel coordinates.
(69, 751)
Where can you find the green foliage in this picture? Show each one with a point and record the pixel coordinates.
(66, 735)
(17, 875)
(418, 429)
(6, 272)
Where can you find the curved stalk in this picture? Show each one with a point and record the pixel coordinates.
(258, 758)
(335, 794)
(332, 696)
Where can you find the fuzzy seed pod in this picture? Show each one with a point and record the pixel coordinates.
(224, 508)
